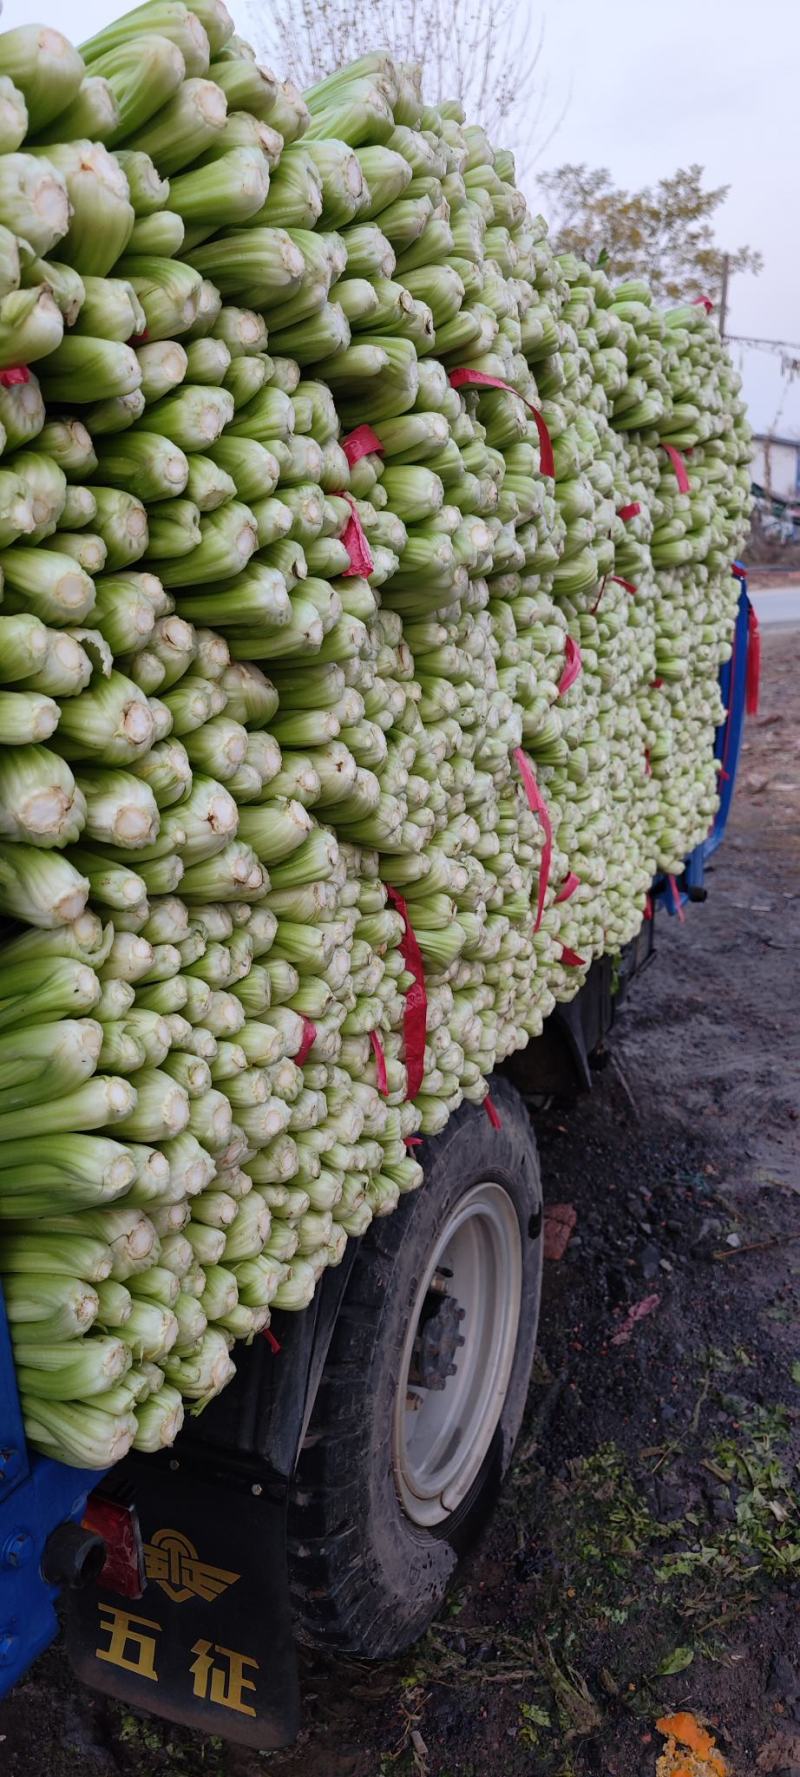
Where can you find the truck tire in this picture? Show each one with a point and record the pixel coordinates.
(423, 1390)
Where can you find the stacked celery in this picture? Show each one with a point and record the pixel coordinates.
(252, 680)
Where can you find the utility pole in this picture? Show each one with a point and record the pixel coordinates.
(723, 300)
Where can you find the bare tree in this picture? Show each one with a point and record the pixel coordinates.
(486, 53)
(664, 233)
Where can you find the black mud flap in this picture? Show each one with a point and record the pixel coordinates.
(209, 1641)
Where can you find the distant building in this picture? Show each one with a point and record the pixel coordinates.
(775, 468)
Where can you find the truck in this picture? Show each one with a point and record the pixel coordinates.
(328, 1494)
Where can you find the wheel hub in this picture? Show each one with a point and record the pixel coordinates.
(438, 1340)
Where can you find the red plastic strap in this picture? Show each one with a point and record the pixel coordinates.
(628, 584)
(492, 1112)
(738, 572)
(676, 898)
(656, 684)
(571, 958)
(753, 663)
(273, 1343)
(628, 512)
(363, 442)
(567, 888)
(539, 806)
(648, 768)
(415, 1021)
(139, 339)
(355, 542)
(703, 302)
(18, 373)
(380, 1063)
(478, 379)
(413, 1141)
(678, 464)
(309, 1039)
(648, 907)
(573, 666)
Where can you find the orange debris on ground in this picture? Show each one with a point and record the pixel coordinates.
(684, 1730)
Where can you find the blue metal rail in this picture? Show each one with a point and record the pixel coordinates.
(36, 1495)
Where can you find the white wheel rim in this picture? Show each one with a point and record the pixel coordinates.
(440, 1438)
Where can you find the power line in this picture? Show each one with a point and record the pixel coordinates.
(744, 339)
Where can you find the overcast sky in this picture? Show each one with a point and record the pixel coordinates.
(653, 87)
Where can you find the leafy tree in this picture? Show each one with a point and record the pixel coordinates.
(481, 52)
(664, 233)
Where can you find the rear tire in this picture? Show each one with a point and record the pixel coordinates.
(373, 1537)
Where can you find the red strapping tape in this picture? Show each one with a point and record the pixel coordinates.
(656, 684)
(676, 898)
(17, 373)
(138, 339)
(678, 464)
(648, 768)
(539, 806)
(628, 512)
(703, 302)
(464, 378)
(573, 666)
(415, 1021)
(753, 663)
(568, 887)
(363, 442)
(380, 1063)
(273, 1343)
(648, 907)
(628, 584)
(492, 1112)
(571, 958)
(355, 542)
(738, 572)
(309, 1039)
(413, 1141)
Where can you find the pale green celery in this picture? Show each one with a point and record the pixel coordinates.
(43, 488)
(234, 874)
(245, 376)
(169, 291)
(79, 508)
(31, 326)
(257, 266)
(208, 485)
(111, 723)
(46, 1059)
(253, 468)
(114, 1304)
(294, 199)
(208, 361)
(147, 190)
(34, 203)
(123, 613)
(77, 1433)
(242, 330)
(13, 115)
(250, 697)
(206, 1371)
(162, 235)
(116, 414)
(39, 799)
(230, 189)
(22, 413)
(143, 71)
(158, 1420)
(229, 539)
(168, 772)
(174, 527)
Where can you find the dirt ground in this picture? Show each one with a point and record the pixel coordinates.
(646, 1553)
